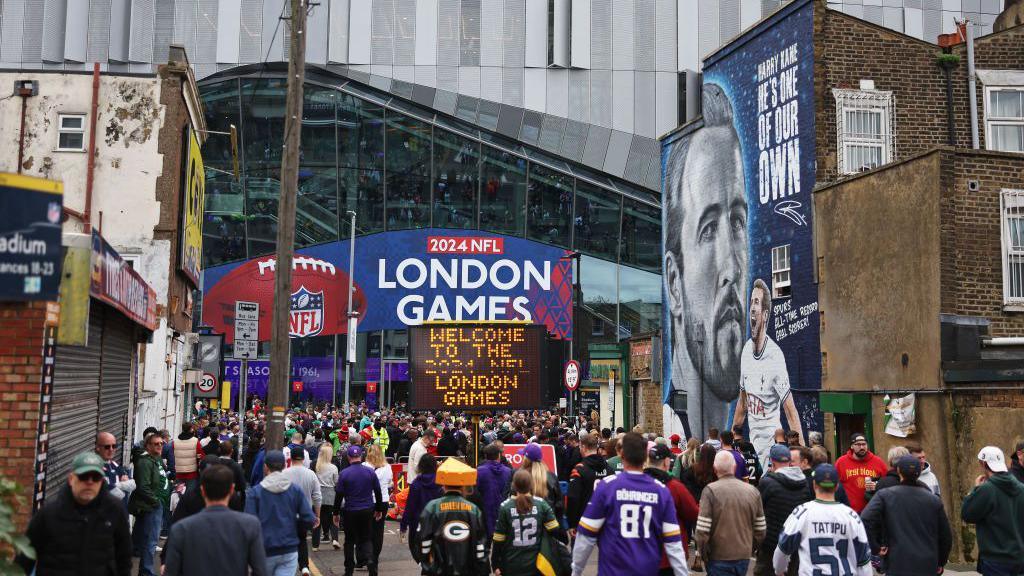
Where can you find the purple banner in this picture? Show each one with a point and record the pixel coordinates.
(316, 374)
(394, 371)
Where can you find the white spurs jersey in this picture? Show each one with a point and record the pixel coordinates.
(765, 380)
(830, 538)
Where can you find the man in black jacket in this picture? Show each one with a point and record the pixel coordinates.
(782, 489)
(582, 479)
(907, 525)
(1017, 467)
(569, 455)
(83, 530)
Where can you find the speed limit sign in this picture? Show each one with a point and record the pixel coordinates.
(571, 376)
(207, 383)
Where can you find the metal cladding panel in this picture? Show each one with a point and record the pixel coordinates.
(729, 19)
(645, 30)
(623, 37)
(769, 6)
(426, 33)
(912, 19)
(206, 32)
(405, 32)
(892, 18)
(423, 95)
(931, 23)
(250, 37)
(116, 375)
(618, 152)
(601, 98)
(665, 32)
(488, 114)
(448, 49)
(426, 75)
(512, 86)
(54, 14)
(359, 32)
(537, 33)
(750, 13)
(874, 14)
(558, 92)
(317, 31)
(75, 400)
(469, 80)
(401, 88)
(465, 108)
(514, 44)
(32, 40)
(560, 30)
(551, 130)
(601, 34)
(12, 22)
(163, 31)
(445, 101)
(491, 15)
(140, 36)
(184, 24)
(337, 42)
(641, 155)
(405, 74)
(666, 92)
(574, 140)
(597, 147)
(510, 118)
(579, 33)
(469, 38)
(448, 78)
(688, 31)
(536, 90)
(229, 16)
(382, 35)
(76, 36)
(644, 104)
(708, 26)
(623, 93)
(530, 132)
(490, 84)
(579, 95)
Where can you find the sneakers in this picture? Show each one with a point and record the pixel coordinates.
(314, 548)
(336, 545)
(305, 572)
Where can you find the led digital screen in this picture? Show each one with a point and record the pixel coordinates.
(475, 366)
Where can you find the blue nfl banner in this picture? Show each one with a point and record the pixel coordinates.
(30, 237)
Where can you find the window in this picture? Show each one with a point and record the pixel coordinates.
(71, 132)
(780, 272)
(1012, 208)
(1005, 119)
(864, 121)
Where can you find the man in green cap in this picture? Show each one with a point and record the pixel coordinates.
(82, 528)
(147, 503)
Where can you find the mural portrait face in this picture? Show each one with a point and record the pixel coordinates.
(706, 253)
(760, 310)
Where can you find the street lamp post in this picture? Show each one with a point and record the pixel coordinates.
(350, 335)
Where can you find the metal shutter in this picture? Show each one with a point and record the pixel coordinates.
(76, 386)
(116, 374)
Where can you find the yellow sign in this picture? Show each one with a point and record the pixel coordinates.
(225, 393)
(191, 257)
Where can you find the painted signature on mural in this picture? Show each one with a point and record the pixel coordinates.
(789, 209)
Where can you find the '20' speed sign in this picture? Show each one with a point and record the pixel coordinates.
(207, 383)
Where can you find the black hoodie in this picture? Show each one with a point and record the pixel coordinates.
(581, 485)
(781, 492)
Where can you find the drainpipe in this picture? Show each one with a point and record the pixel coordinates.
(947, 69)
(972, 85)
(87, 213)
(21, 134)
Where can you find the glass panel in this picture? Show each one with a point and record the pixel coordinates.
(262, 136)
(71, 122)
(456, 180)
(503, 195)
(639, 302)
(408, 172)
(316, 212)
(596, 221)
(862, 157)
(262, 190)
(1008, 138)
(641, 235)
(1015, 225)
(863, 123)
(70, 140)
(361, 162)
(550, 206)
(599, 310)
(224, 225)
(1007, 103)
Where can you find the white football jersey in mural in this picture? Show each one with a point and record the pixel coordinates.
(765, 380)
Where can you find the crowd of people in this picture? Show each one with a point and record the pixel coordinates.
(213, 499)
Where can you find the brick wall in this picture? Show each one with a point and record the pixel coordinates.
(649, 410)
(21, 364)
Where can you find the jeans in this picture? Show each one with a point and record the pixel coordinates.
(990, 568)
(145, 537)
(283, 564)
(358, 532)
(727, 567)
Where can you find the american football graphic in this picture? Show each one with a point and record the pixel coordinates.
(318, 303)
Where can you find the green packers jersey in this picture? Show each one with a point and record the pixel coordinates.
(517, 536)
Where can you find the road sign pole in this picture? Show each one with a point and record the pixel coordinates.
(243, 383)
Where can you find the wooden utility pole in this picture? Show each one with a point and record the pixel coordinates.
(280, 345)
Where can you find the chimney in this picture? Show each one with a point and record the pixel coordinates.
(954, 38)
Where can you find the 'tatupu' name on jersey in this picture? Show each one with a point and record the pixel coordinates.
(830, 538)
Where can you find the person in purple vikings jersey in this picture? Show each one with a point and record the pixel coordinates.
(631, 517)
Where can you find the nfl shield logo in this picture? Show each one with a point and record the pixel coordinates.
(53, 213)
(307, 318)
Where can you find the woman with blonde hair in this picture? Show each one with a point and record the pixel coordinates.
(545, 483)
(327, 473)
(375, 460)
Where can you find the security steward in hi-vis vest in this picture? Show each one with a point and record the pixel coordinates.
(451, 534)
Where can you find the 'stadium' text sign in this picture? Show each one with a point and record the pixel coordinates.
(475, 366)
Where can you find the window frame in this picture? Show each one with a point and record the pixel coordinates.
(875, 101)
(1011, 205)
(61, 130)
(992, 121)
(778, 284)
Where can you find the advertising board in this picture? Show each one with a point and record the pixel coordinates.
(547, 453)
(30, 237)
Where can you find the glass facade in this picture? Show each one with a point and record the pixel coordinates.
(400, 166)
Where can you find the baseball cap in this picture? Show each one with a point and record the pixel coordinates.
(298, 453)
(274, 457)
(779, 453)
(909, 467)
(659, 452)
(994, 458)
(531, 451)
(354, 451)
(857, 437)
(825, 475)
(675, 438)
(87, 462)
